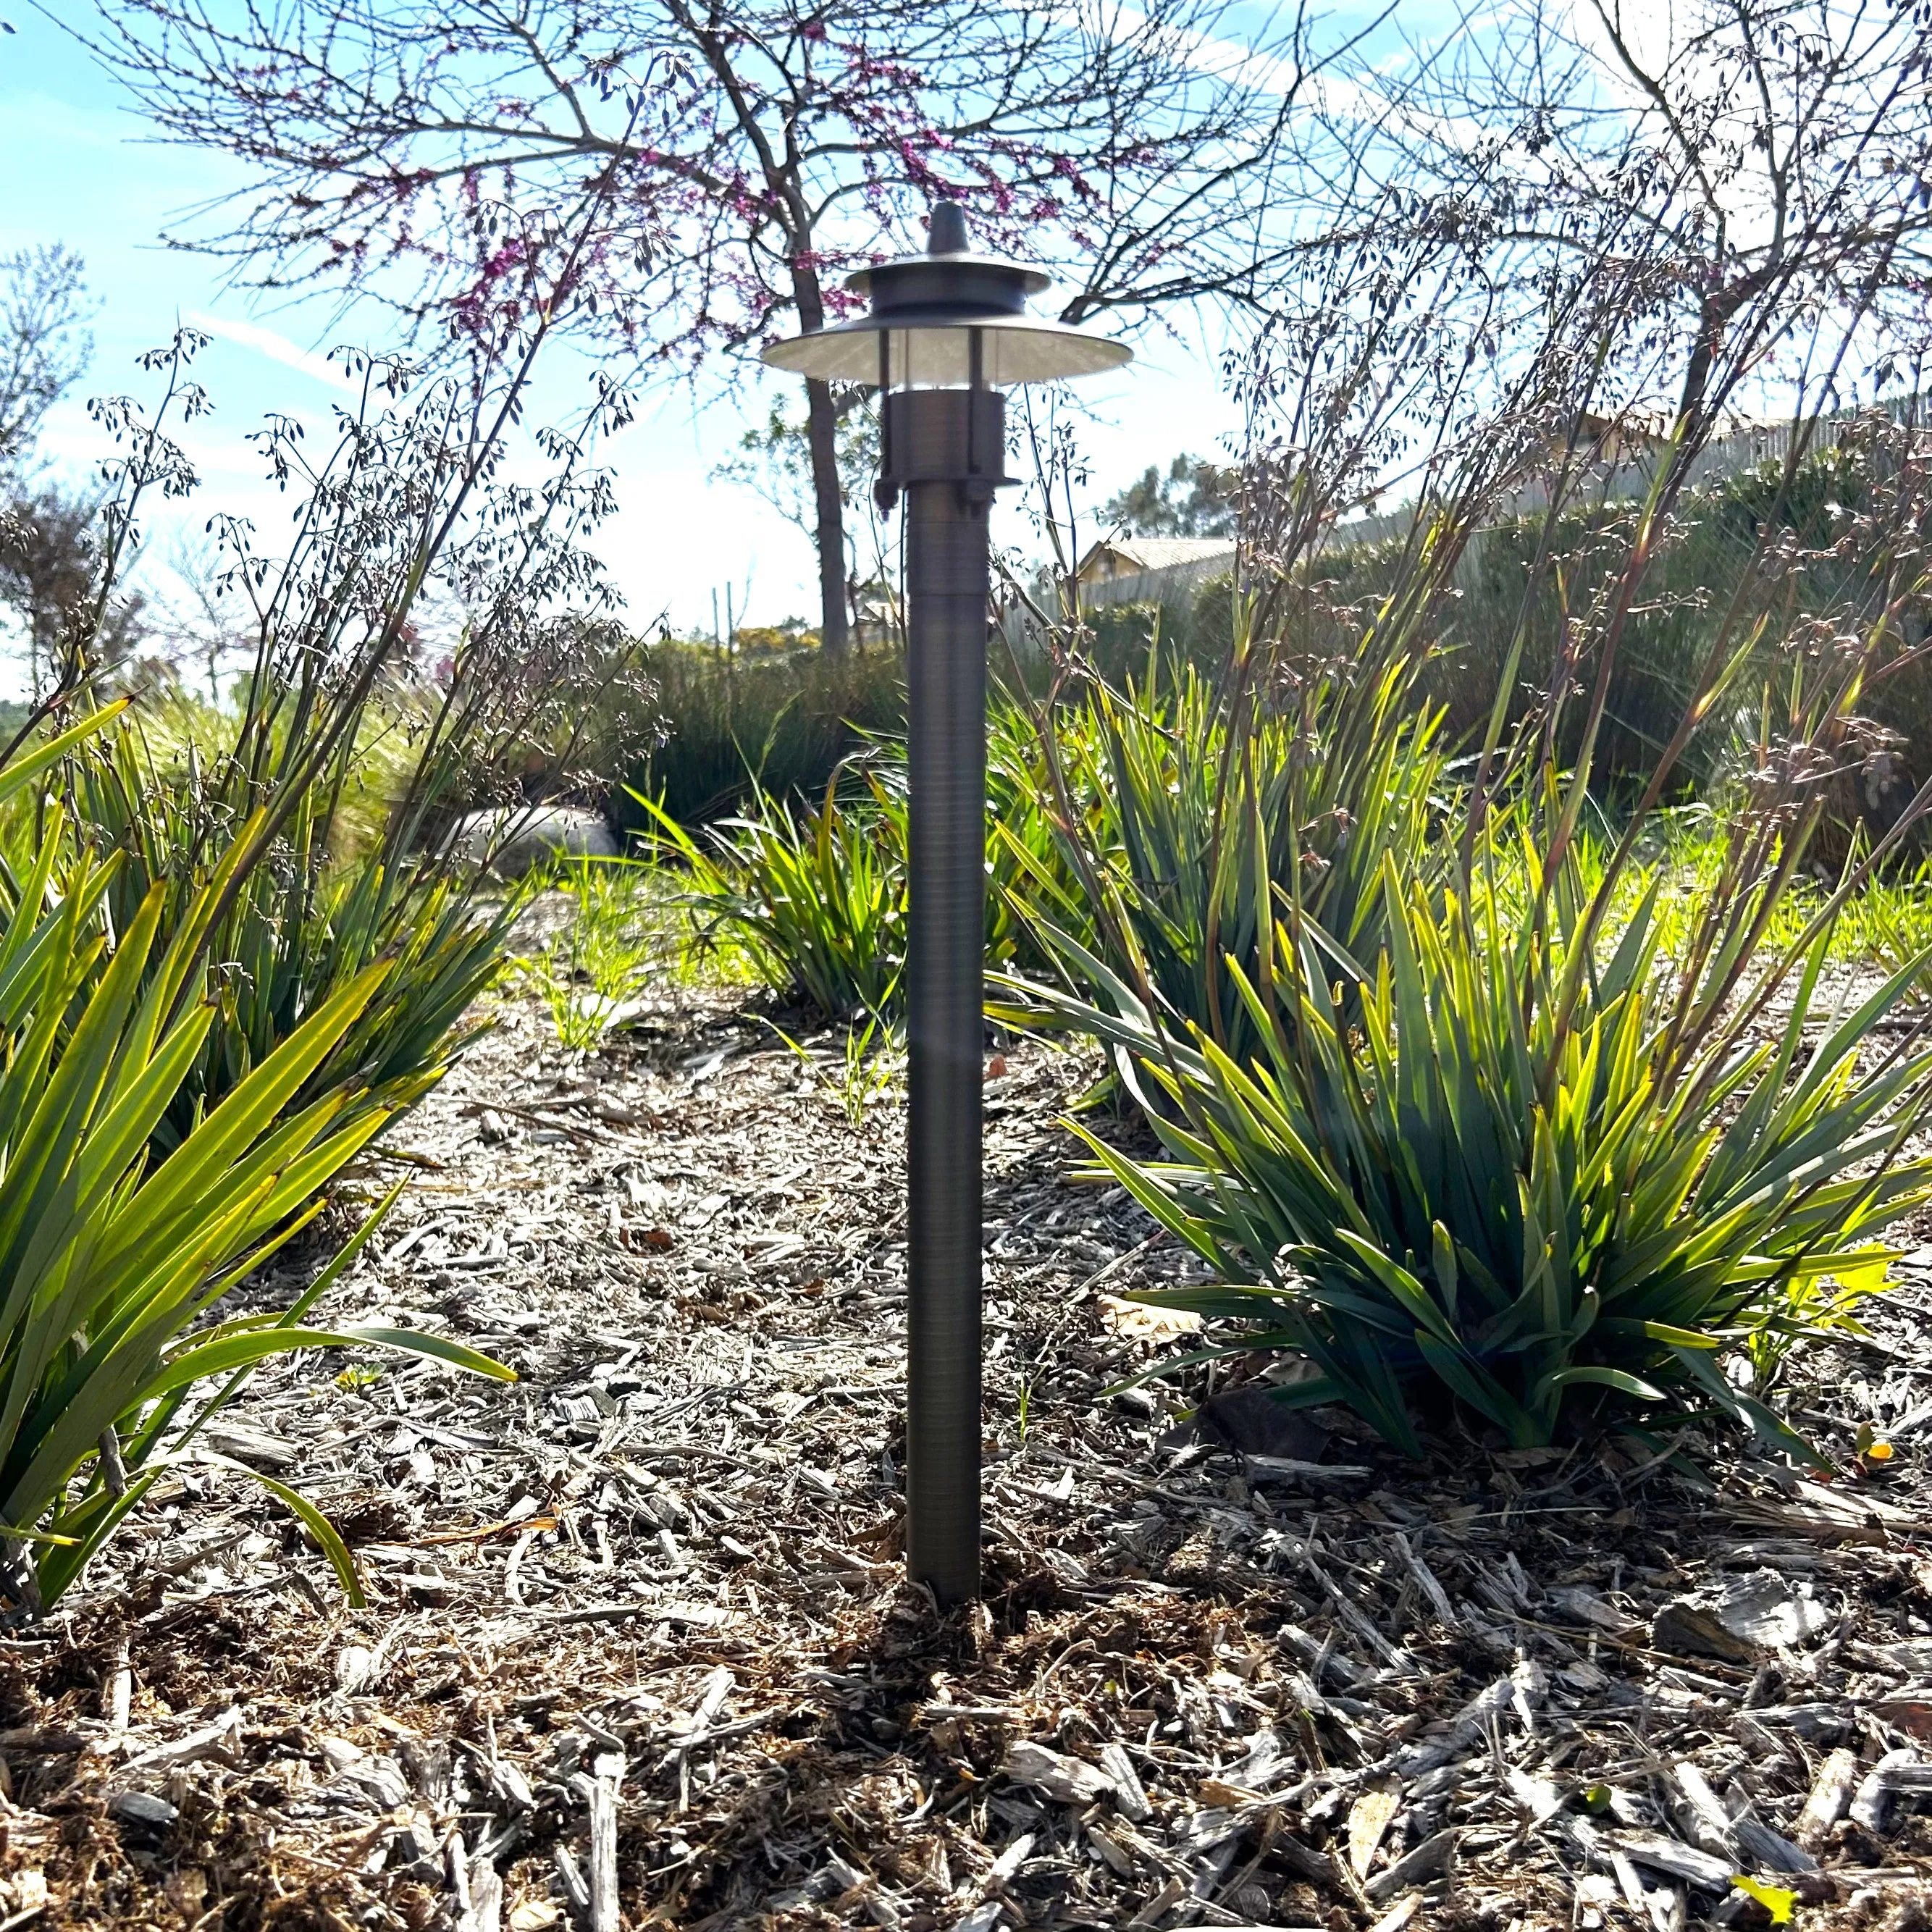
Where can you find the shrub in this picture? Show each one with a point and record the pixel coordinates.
(1525, 1137)
(111, 1264)
(1710, 551)
(773, 724)
(1121, 636)
(1529, 1203)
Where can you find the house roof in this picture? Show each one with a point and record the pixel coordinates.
(1160, 552)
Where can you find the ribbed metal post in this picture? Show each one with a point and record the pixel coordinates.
(947, 595)
(949, 316)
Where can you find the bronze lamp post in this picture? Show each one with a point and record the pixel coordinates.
(944, 333)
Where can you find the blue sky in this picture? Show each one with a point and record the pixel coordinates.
(79, 170)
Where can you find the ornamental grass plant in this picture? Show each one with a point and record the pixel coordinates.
(113, 1257)
(349, 747)
(812, 897)
(1483, 1113)
(1468, 1178)
(1168, 813)
(215, 989)
(1570, 1133)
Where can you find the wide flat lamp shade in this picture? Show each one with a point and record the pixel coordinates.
(1013, 349)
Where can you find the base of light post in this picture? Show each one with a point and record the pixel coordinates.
(945, 451)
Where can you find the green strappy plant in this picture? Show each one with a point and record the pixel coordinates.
(113, 1257)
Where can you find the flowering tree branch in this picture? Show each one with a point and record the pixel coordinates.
(423, 153)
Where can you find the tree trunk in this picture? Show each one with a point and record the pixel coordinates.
(821, 429)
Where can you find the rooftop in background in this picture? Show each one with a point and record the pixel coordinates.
(1129, 557)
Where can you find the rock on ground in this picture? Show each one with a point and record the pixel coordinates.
(511, 840)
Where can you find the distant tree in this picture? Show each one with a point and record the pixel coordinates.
(49, 558)
(204, 620)
(45, 346)
(48, 537)
(773, 460)
(1194, 498)
(419, 150)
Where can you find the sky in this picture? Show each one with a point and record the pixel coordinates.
(79, 169)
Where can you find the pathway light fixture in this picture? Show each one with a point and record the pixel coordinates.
(944, 333)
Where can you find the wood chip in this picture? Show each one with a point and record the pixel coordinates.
(607, 1774)
(1208, 1676)
(1368, 1817)
(1680, 1860)
(1398, 1914)
(1426, 1860)
(1129, 1797)
(1066, 1779)
(1830, 1795)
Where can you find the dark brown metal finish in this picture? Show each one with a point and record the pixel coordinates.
(952, 328)
(947, 594)
(948, 290)
(944, 436)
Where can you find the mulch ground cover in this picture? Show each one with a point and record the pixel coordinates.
(638, 1650)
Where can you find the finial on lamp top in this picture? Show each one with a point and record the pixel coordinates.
(945, 233)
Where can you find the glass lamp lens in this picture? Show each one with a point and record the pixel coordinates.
(941, 358)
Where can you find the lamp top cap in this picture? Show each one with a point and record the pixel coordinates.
(951, 273)
(958, 317)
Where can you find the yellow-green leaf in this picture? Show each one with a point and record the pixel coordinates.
(1774, 1898)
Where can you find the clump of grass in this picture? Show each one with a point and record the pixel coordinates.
(1165, 820)
(592, 969)
(733, 731)
(811, 898)
(1888, 923)
(113, 1259)
(1525, 1164)
(1884, 923)
(871, 1064)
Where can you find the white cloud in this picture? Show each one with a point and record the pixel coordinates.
(278, 348)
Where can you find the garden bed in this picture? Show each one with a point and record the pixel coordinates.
(638, 1647)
